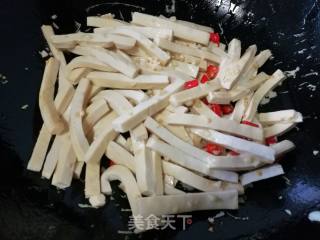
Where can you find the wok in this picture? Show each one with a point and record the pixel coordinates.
(31, 209)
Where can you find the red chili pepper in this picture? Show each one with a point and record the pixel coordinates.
(250, 123)
(212, 71)
(271, 140)
(216, 108)
(204, 78)
(214, 149)
(227, 108)
(215, 38)
(111, 163)
(191, 84)
(205, 101)
(234, 153)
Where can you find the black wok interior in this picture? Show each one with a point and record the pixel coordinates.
(32, 209)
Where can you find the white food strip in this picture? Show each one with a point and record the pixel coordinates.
(63, 173)
(237, 144)
(193, 93)
(105, 41)
(231, 70)
(284, 116)
(261, 174)
(77, 74)
(147, 108)
(219, 124)
(120, 155)
(48, 32)
(104, 22)
(113, 59)
(51, 158)
(39, 151)
(87, 62)
(179, 30)
(92, 185)
(270, 84)
(100, 143)
(278, 129)
(135, 95)
(94, 112)
(78, 138)
(225, 97)
(189, 69)
(184, 153)
(149, 46)
(51, 117)
(182, 49)
(174, 204)
(170, 190)
(283, 147)
(117, 80)
(149, 32)
(191, 178)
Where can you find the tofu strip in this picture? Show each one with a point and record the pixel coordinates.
(278, 129)
(52, 158)
(51, 117)
(101, 141)
(77, 74)
(105, 41)
(78, 139)
(147, 108)
(134, 95)
(104, 22)
(94, 113)
(48, 33)
(275, 79)
(40, 149)
(170, 190)
(219, 124)
(149, 32)
(121, 156)
(182, 49)
(63, 173)
(261, 174)
(92, 185)
(191, 178)
(117, 80)
(149, 46)
(179, 30)
(185, 154)
(87, 62)
(174, 204)
(193, 93)
(232, 70)
(114, 60)
(284, 116)
(237, 144)
(138, 136)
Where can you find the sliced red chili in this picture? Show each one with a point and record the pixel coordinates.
(111, 163)
(227, 108)
(191, 84)
(216, 108)
(205, 101)
(204, 78)
(234, 153)
(249, 123)
(271, 140)
(215, 38)
(212, 71)
(214, 149)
